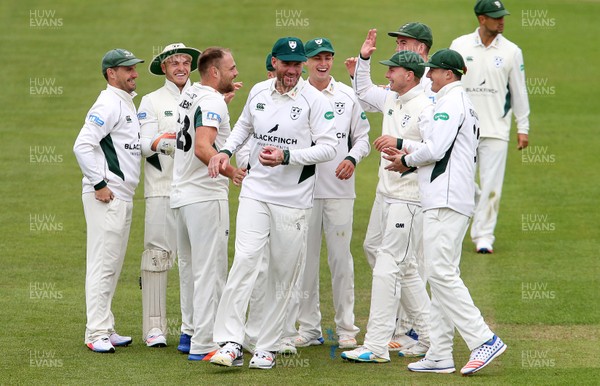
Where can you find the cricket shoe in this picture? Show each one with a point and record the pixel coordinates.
(229, 355)
(442, 366)
(119, 341)
(185, 341)
(262, 360)
(346, 341)
(417, 350)
(363, 354)
(287, 347)
(302, 341)
(202, 357)
(101, 345)
(484, 247)
(483, 355)
(155, 338)
(403, 341)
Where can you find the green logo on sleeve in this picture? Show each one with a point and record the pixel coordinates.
(329, 115)
(522, 67)
(363, 115)
(442, 116)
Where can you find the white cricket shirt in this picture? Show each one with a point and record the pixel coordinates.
(108, 145)
(199, 106)
(301, 121)
(495, 82)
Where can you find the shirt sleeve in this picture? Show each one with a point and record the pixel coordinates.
(241, 131)
(371, 96)
(444, 129)
(148, 125)
(98, 124)
(518, 92)
(322, 127)
(359, 133)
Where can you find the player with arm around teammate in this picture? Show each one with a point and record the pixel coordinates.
(290, 127)
(108, 152)
(395, 276)
(446, 161)
(201, 202)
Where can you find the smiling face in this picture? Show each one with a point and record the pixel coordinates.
(287, 74)
(401, 80)
(122, 77)
(319, 67)
(177, 69)
(226, 72)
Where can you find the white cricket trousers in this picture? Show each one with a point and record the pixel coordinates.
(108, 227)
(491, 162)
(396, 278)
(451, 303)
(160, 236)
(285, 230)
(202, 235)
(373, 240)
(333, 217)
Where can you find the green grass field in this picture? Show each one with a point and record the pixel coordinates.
(539, 291)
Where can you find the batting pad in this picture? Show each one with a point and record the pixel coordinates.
(155, 265)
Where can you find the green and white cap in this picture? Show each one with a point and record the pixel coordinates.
(447, 59)
(492, 8)
(289, 49)
(418, 31)
(118, 58)
(318, 45)
(408, 60)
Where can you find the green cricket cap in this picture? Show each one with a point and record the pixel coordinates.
(268, 63)
(447, 59)
(289, 49)
(492, 8)
(418, 31)
(117, 58)
(318, 45)
(408, 60)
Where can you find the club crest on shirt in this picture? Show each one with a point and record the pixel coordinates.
(340, 107)
(295, 113)
(498, 61)
(405, 120)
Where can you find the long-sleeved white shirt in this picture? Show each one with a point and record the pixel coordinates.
(404, 116)
(301, 121)
(158, 114)
(495, 82)
(108, 145)
(447, 157)
(352, 131)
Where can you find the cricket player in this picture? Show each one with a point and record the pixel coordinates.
(333, 207)
(158, 118)
(446, 161)
(416, 37)
(108, 152)
(200, 202)
(407, 112)
(290, 127)
(496, 85)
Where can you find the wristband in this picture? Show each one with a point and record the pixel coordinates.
(100, 185)
(399, 143)
(226, 152)
(351, 159)
(286, 157)
(402, 159)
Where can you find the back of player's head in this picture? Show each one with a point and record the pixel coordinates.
(211, 56)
